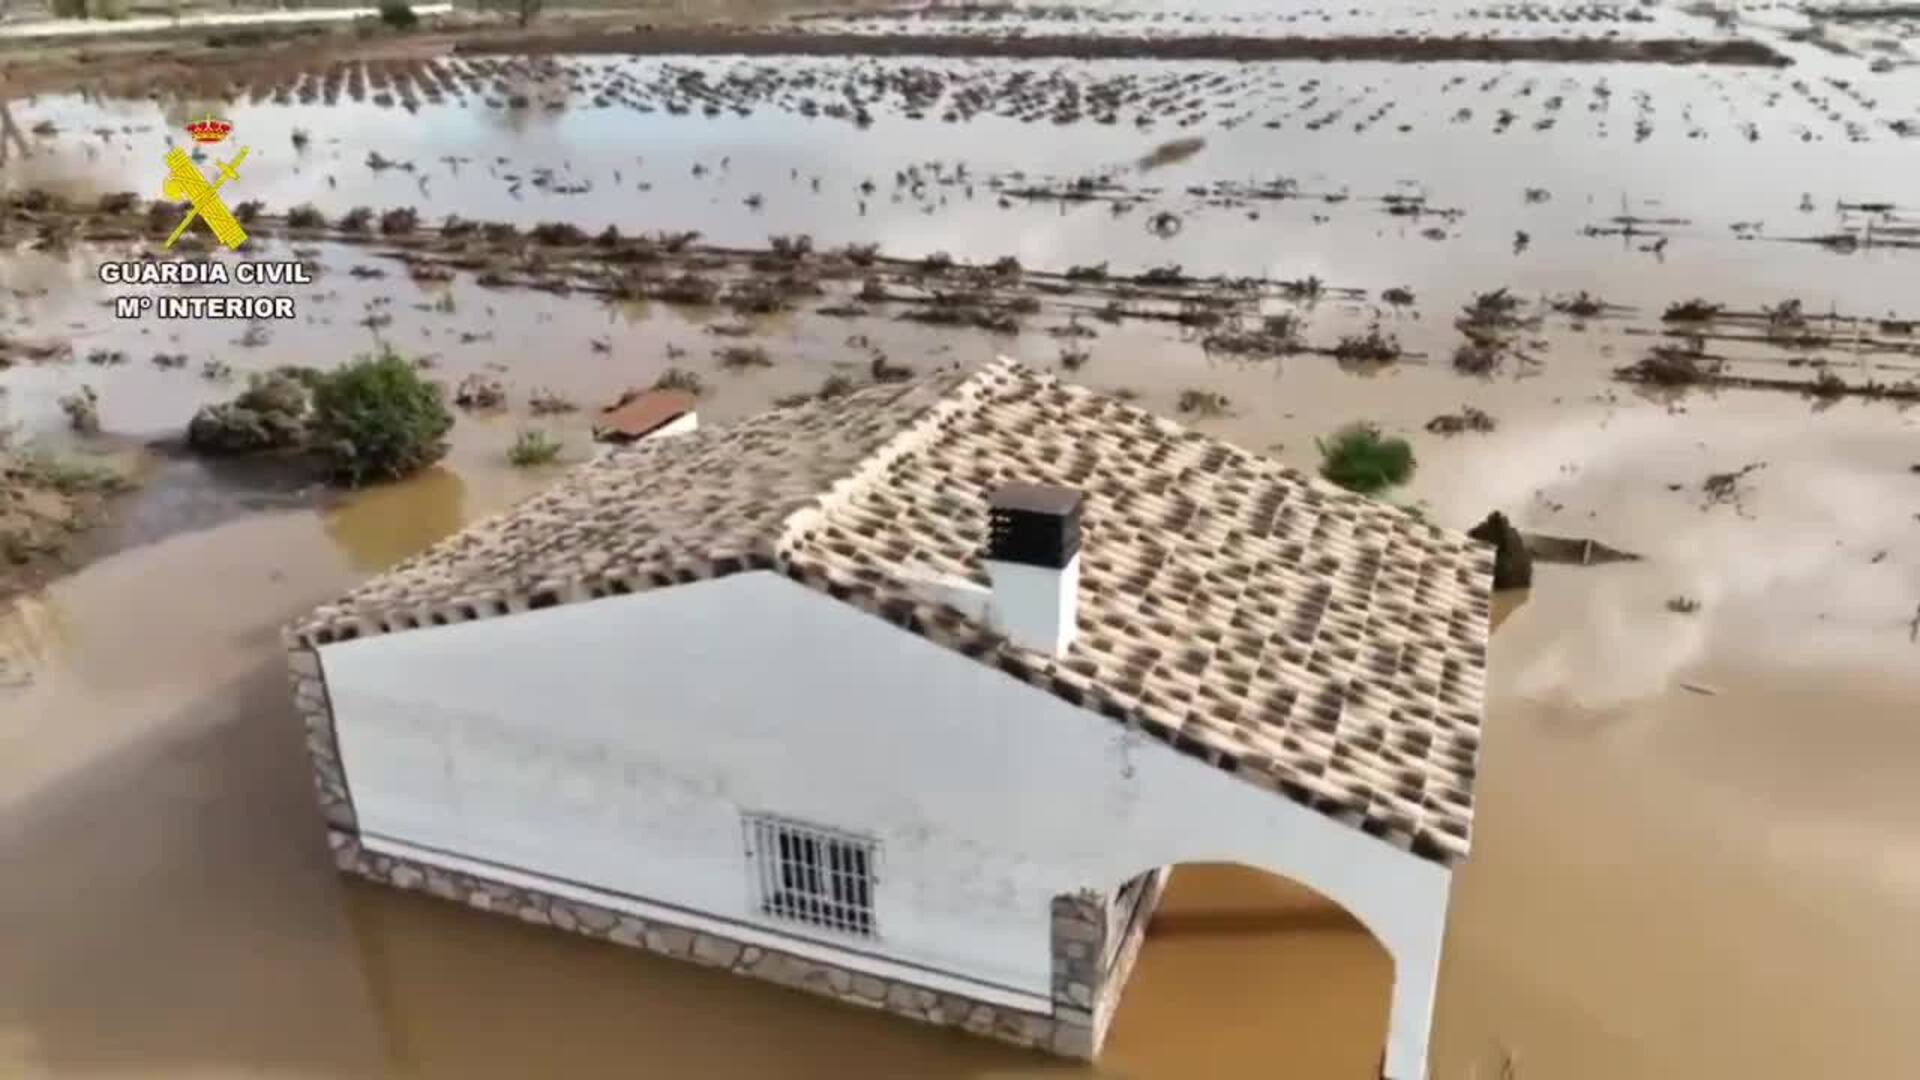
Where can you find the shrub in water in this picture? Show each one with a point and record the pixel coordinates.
(377, 419)
(533, 447)
(1359, 458)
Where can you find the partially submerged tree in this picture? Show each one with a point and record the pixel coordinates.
(1359, 458)
(377, 419)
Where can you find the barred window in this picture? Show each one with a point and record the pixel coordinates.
(812, 875)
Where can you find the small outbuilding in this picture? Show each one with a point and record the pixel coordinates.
(910, 696)
(643, 414)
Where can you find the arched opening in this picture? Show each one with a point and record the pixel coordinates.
(1226, 970)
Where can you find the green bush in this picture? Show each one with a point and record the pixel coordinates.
(377, 419)
(1359, 458)
(398, 14)
(533, 447)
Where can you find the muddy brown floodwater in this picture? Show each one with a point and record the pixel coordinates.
(1665, 881)
(1697, 844)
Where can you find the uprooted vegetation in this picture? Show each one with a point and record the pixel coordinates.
(1581, 305)
(1202, 403)
(1372, 347)
(742, 357)
(1725, 488)
(1467, 419)
(479, 391)
(1479, 355)
(1670, 365)
(1695, 310)
(1496, 310)
(677, 378)
(1274, 335)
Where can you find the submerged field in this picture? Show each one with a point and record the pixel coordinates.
(1667, 306)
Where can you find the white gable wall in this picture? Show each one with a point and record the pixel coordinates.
(614, 744)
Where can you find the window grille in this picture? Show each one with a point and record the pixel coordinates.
(810, 875)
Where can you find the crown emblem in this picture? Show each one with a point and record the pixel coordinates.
(209, 130)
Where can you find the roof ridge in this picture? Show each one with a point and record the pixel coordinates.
(965, 394)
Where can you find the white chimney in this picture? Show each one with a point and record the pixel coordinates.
(1033, 559)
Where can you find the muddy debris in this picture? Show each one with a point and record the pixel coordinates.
(545, 402)
(1372, 347)
(742, 357)
(1724, 488)
(82, 408)
(1466, 420)
(1202, 403)
(479, 391)
(1666, 365)
(677, 378)
(1171, 152)
(1581, 305)
(1695, 310)
(1496, 310)
(1275, 335)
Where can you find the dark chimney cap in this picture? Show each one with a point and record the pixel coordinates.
(1034, 524)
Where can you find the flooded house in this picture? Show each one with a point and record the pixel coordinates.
(912, 697)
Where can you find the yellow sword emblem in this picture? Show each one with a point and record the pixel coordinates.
(184, 182)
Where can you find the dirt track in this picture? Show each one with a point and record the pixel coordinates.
(755, 42)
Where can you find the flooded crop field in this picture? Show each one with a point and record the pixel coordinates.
(1657, 295)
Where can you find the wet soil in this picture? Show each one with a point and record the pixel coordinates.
(52, 506)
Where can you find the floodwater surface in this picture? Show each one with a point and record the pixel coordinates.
(1660, 876)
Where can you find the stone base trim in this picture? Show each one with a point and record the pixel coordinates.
(315, 710)
(1068, 1032)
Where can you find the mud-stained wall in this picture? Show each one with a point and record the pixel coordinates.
(616, 744)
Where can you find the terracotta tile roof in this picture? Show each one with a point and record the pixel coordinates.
(1312, 641)
(642, 413)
